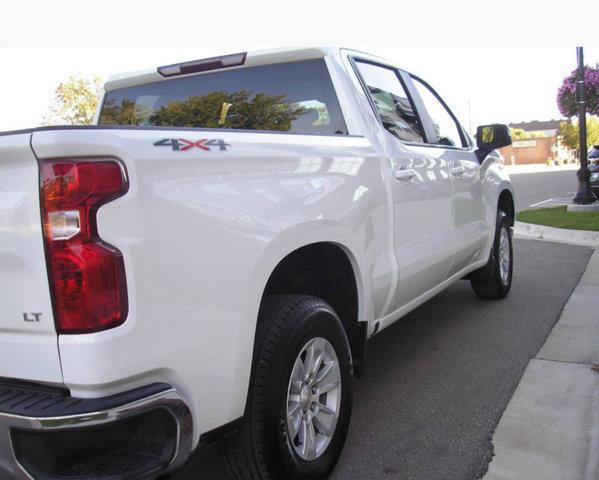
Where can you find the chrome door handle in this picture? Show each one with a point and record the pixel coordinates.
(457, 171)
(405, 174)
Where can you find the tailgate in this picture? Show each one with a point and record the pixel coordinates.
(28, 340)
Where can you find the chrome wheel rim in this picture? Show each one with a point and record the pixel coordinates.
(504, 255)
(313, 399)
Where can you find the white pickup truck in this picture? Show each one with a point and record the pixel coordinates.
(207, 261)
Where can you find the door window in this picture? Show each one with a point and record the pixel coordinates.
(447, 129)
(391, 101)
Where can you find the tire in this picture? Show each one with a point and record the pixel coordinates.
(493, 282)
(266, 446)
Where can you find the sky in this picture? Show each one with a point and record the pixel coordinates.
(481, 84)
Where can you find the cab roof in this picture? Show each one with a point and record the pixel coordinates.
(195, 67)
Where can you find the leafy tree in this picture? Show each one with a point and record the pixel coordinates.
(75, 102)
(518, 133)
(568, 132)
(566, 94)
(521, 134)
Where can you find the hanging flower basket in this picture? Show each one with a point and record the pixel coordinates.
(566, 94)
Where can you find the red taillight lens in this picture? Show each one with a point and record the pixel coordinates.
(87, 275)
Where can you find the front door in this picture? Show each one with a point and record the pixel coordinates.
(470, 225)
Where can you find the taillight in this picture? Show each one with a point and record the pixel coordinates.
(87, 275)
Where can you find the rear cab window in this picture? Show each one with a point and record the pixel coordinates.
(295, 97)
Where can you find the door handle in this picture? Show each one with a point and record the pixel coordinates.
(457, 171)
(405, 174)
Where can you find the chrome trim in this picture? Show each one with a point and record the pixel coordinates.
(169, 399)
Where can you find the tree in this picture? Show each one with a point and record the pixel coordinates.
(566, 94)
(521, 134)
(517, 133)
(75, 102)
(568, 133)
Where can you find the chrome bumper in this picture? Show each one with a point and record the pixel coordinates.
(169, 399)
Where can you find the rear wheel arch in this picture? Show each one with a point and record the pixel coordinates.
(268, 442)
(326, 270)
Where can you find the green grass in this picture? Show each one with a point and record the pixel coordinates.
(559, 217)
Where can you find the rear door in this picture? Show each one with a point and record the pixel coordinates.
(28, 341)
(420, 181)
(450, 143)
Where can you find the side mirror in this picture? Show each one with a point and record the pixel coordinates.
(491, 137)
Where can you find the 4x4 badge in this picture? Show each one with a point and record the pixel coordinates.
(183, 145)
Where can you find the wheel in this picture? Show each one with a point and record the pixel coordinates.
(300, 397)
(494, 281)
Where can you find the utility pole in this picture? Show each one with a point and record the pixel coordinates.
(584, 196)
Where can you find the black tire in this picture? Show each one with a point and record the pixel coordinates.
(261, 449)
(488, 283)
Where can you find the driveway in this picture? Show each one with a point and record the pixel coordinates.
(437, 382)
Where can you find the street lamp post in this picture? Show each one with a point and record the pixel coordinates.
(584, 196)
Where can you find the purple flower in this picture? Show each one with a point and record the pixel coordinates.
(566, 93)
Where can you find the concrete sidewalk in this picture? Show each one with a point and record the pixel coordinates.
(550, 428)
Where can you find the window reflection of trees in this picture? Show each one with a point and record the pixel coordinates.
(239, 110)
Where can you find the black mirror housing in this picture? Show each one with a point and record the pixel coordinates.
(491, 137)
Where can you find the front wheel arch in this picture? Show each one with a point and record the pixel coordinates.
(505, 203)
(488, 282)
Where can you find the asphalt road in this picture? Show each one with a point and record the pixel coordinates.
(437, 382)
(533, 188)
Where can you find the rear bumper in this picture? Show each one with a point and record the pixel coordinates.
(49, 435)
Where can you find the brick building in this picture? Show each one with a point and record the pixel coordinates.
(542, 145)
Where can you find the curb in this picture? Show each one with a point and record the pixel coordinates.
(575, 237)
